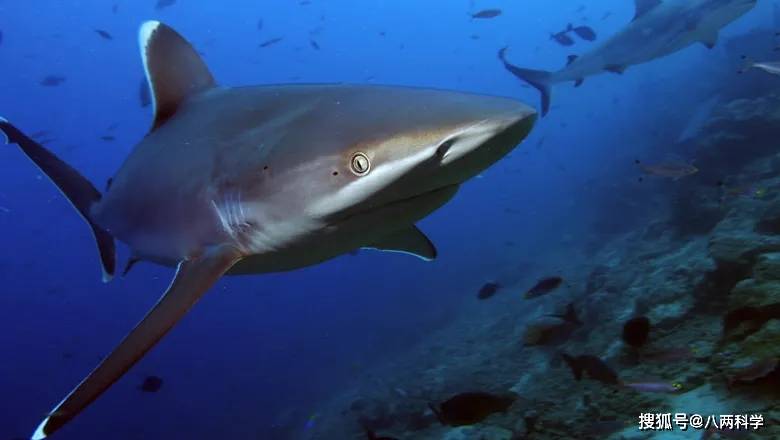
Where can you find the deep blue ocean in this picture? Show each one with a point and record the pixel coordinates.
(265, 356)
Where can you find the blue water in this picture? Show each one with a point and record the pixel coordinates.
(261, 349)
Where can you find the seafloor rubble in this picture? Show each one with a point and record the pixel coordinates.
(706, 274)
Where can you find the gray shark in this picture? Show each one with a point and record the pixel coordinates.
(658, 29)
(260, 179)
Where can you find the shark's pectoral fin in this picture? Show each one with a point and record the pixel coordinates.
(193, 278)
(174, 69)
(77, 189)
(409, 241)
(644, 6)
(709, 39)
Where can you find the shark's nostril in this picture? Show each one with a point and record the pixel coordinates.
(442, 150)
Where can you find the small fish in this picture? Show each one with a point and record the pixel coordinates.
(606, 15)
(771, 67)
(104, 34)
(488, 290)
(311, 422)
(471, 408)
(654, 387)
(636, 331)
(144, 94)
(108, 138)
(474, 37)
(260, 24)
(673, 170)
(151, 384)
(52, 81)
(594, 367)
(314, 45)
(162, 4)
(1, 37)
(271, 42)
(585, 32)
(115, 8)
(543, 287)
(4, 209)
(562, 38)
(487, 14)
(304, 3)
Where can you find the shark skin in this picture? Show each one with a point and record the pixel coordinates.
(660, 28)
(260, 179)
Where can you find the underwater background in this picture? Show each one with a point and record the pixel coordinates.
(370, 340)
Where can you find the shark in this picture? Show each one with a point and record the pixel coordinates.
(258, 179)
(659, 28)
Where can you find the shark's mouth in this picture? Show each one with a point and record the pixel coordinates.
(414, 207)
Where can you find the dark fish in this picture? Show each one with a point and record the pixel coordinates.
(260, 24)
(108, 138)
(594, 367)
(636, 331)
(371, 435)
(115, 8)
(474, 37)
(304, 3)
(151, 384)
(471, 408)
(749, 319)
(314, 45)
(543, 287)
(585, 32)
(562, 38)
(144, 94)
(755, 371)
(1, 37)
(52, 81)
(488, 290)
(487, 13)
(569, 316)
(606, 15)
(162, 4)
(270, 42)
(103, 34)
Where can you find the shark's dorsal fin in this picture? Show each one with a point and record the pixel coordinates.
(408, 241)
(174, 69)
(643, 6)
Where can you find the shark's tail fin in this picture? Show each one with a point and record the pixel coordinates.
(78, 190)
(539, 79)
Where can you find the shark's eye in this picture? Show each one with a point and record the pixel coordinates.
(360, 164)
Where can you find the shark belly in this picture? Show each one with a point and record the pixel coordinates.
(336, 238)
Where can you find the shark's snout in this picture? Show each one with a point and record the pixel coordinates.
(478, 146)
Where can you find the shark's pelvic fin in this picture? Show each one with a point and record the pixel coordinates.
(615, 68)
(409, 241)
(539, 79)
(643, 6)
(193, 278)
(78, 190)
(709, 39)
(174, 69)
